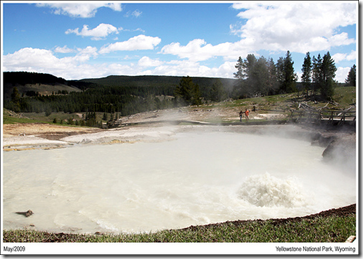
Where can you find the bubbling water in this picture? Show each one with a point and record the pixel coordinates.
(192, 179)
(269, 191)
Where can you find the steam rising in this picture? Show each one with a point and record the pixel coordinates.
(196, 177)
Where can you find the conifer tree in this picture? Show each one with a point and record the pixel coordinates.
(317, 73)
(323, 75)
(351, 78)
(288, 85)
(239, 66)
(328, 69)
(307, 72)
(188, 91)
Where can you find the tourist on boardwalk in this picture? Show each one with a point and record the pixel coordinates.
(240, 116)
(247, 112)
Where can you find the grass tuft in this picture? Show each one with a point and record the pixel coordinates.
(317, 229)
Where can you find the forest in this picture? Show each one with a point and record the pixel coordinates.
(123, 94)
(126, 95)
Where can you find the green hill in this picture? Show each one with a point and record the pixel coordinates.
(157, 81)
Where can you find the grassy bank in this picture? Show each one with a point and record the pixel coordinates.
(333, 228)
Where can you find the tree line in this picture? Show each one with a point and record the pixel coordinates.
(261, 76)
(123, 94)
(126, 95)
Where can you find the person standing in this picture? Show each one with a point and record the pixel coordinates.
(240, 116)
(247, 113)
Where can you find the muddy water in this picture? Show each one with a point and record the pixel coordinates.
(191, 179)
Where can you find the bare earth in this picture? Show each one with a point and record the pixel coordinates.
(23, 136)
(154, 125)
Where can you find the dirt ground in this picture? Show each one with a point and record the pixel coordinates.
(47, 131)
(340, 212)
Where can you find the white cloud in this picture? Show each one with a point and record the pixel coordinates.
(44, 61)
(83, 10)
(186, 67)
(135, 13)
(341, 74)
(77, 67)
(148, 62)
(140, 42)
(275, 27)
(64, 49)
(343, 56)
(352, 55)
(101, 31)
(199, 50)
(28, 59)
(138, 29)
(295, 26)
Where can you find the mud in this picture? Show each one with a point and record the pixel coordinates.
(339, 212)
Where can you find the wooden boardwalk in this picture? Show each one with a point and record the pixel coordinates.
(335, 117)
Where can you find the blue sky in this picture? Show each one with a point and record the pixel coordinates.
(76, 40)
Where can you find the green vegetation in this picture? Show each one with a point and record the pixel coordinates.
(352, 77)
(255, 77)
(317, 229)
(187, 93)
(13, 120)
(344, 97)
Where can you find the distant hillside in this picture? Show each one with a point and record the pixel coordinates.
(124, 94)
(29, 83)
(158, 81)
(23, 78)
(46, 84)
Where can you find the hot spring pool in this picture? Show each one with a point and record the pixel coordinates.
(191, 179)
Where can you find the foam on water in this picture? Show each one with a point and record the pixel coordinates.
(197, 178)
(269, 191)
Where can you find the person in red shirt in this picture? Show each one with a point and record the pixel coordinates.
(247, 112)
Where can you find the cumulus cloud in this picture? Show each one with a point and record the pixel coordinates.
(148, 62)
(191, 68)
(341, 74)
(343, 56)
(44, 61)
(100, 32)
(82, 10)
(275, 27)
(64, 49)
(199, 50)
(78, 67)
(140, 42)
(298, 26)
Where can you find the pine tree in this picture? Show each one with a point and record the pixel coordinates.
(239, 66)
(328, 70)
(104, 116)
(351, 78)
(289, 75)
(317, 74)
(15, 98)
(188, 91)
(239, 75)
(307, 73)
(272, 83)
(323, 75)
(217, 93)
(285, 74)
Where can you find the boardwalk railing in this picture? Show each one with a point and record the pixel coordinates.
(316, 116)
